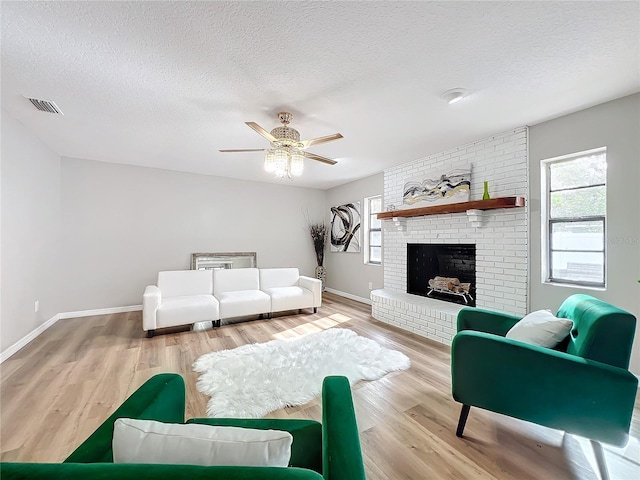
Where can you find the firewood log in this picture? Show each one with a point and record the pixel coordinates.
(444, 283)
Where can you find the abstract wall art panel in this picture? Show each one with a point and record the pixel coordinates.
(345, 227)
(452, 187)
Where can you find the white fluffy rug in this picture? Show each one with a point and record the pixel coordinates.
(253, 380)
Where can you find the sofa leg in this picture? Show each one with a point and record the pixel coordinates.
(150, 333)
(464, 413)
(600, 460)
(315, 309)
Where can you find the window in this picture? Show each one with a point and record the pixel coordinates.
(574, 206)
(373, 230)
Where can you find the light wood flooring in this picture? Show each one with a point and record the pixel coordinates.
(60, 387)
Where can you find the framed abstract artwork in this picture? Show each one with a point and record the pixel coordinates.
(441, 189)
(345, 227)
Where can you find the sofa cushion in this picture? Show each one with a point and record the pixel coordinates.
(185, 282)
(243, 302)
(289, 298)
(232, 280)
(540, 328)
(187, 309)
(278, 277)
(148, 441)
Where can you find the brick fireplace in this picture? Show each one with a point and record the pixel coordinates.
(500, 238)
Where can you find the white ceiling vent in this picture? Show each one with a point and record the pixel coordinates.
(45, 105)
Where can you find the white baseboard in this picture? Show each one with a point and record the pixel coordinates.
(100, 311)
(81, 313)
(27, 338)
(349, 296)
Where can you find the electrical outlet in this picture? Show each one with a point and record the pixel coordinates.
(37, 306)
(370, 286)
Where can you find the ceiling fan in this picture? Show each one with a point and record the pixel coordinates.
(285, 157)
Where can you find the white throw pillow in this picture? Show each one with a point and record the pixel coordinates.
(541, 328)
(147, 441)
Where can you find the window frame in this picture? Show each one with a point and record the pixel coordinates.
(368, 230)
(547, 222)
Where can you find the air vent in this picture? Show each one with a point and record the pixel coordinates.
(45, 106)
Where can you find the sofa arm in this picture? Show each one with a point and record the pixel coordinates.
(161, 398)
(544, 386)
(487, 321)
(150, 304)
(342, 457)
(315, 286)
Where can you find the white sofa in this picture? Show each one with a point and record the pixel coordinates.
(288, 290)
(239, 294)
(185, 297)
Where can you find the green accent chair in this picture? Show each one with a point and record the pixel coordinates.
(329, 451)
(583, 386)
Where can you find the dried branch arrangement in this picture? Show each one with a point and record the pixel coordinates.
(319, 233)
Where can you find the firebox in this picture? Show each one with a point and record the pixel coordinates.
(442, 271)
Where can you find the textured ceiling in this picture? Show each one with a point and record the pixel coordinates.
(168, 84)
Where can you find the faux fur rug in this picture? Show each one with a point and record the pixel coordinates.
(253, 380)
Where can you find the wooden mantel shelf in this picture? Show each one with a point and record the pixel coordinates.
(491, 204)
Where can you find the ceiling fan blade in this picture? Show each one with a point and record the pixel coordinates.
(244, 150)
(318, 140)
(261, 131)
(313, 156)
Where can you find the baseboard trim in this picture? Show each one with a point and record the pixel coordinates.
(59, 316)
(349, 296)
(27, 338)
(100, 311)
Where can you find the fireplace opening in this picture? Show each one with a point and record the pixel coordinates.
(442, 271)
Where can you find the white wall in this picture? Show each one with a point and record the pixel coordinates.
(347, 272)
(122, 224)
(615, 125)
(30, 232)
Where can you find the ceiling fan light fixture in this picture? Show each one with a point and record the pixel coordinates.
(281, 161)
(280, 174)
(270, 161)
(297, 164)
(454, 95)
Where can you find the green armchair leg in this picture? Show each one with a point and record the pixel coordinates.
(600, 460)
(462, 421)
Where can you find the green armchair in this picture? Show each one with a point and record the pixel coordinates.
(583, 386)
(327, 451)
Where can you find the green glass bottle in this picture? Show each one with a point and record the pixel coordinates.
(485, 195)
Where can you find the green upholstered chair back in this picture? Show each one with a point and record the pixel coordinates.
(600, 332)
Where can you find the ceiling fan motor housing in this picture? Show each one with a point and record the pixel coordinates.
(286, 136)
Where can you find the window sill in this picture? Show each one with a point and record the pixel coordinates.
(575, 285)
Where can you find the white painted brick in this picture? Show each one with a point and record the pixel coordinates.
(501, 244)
